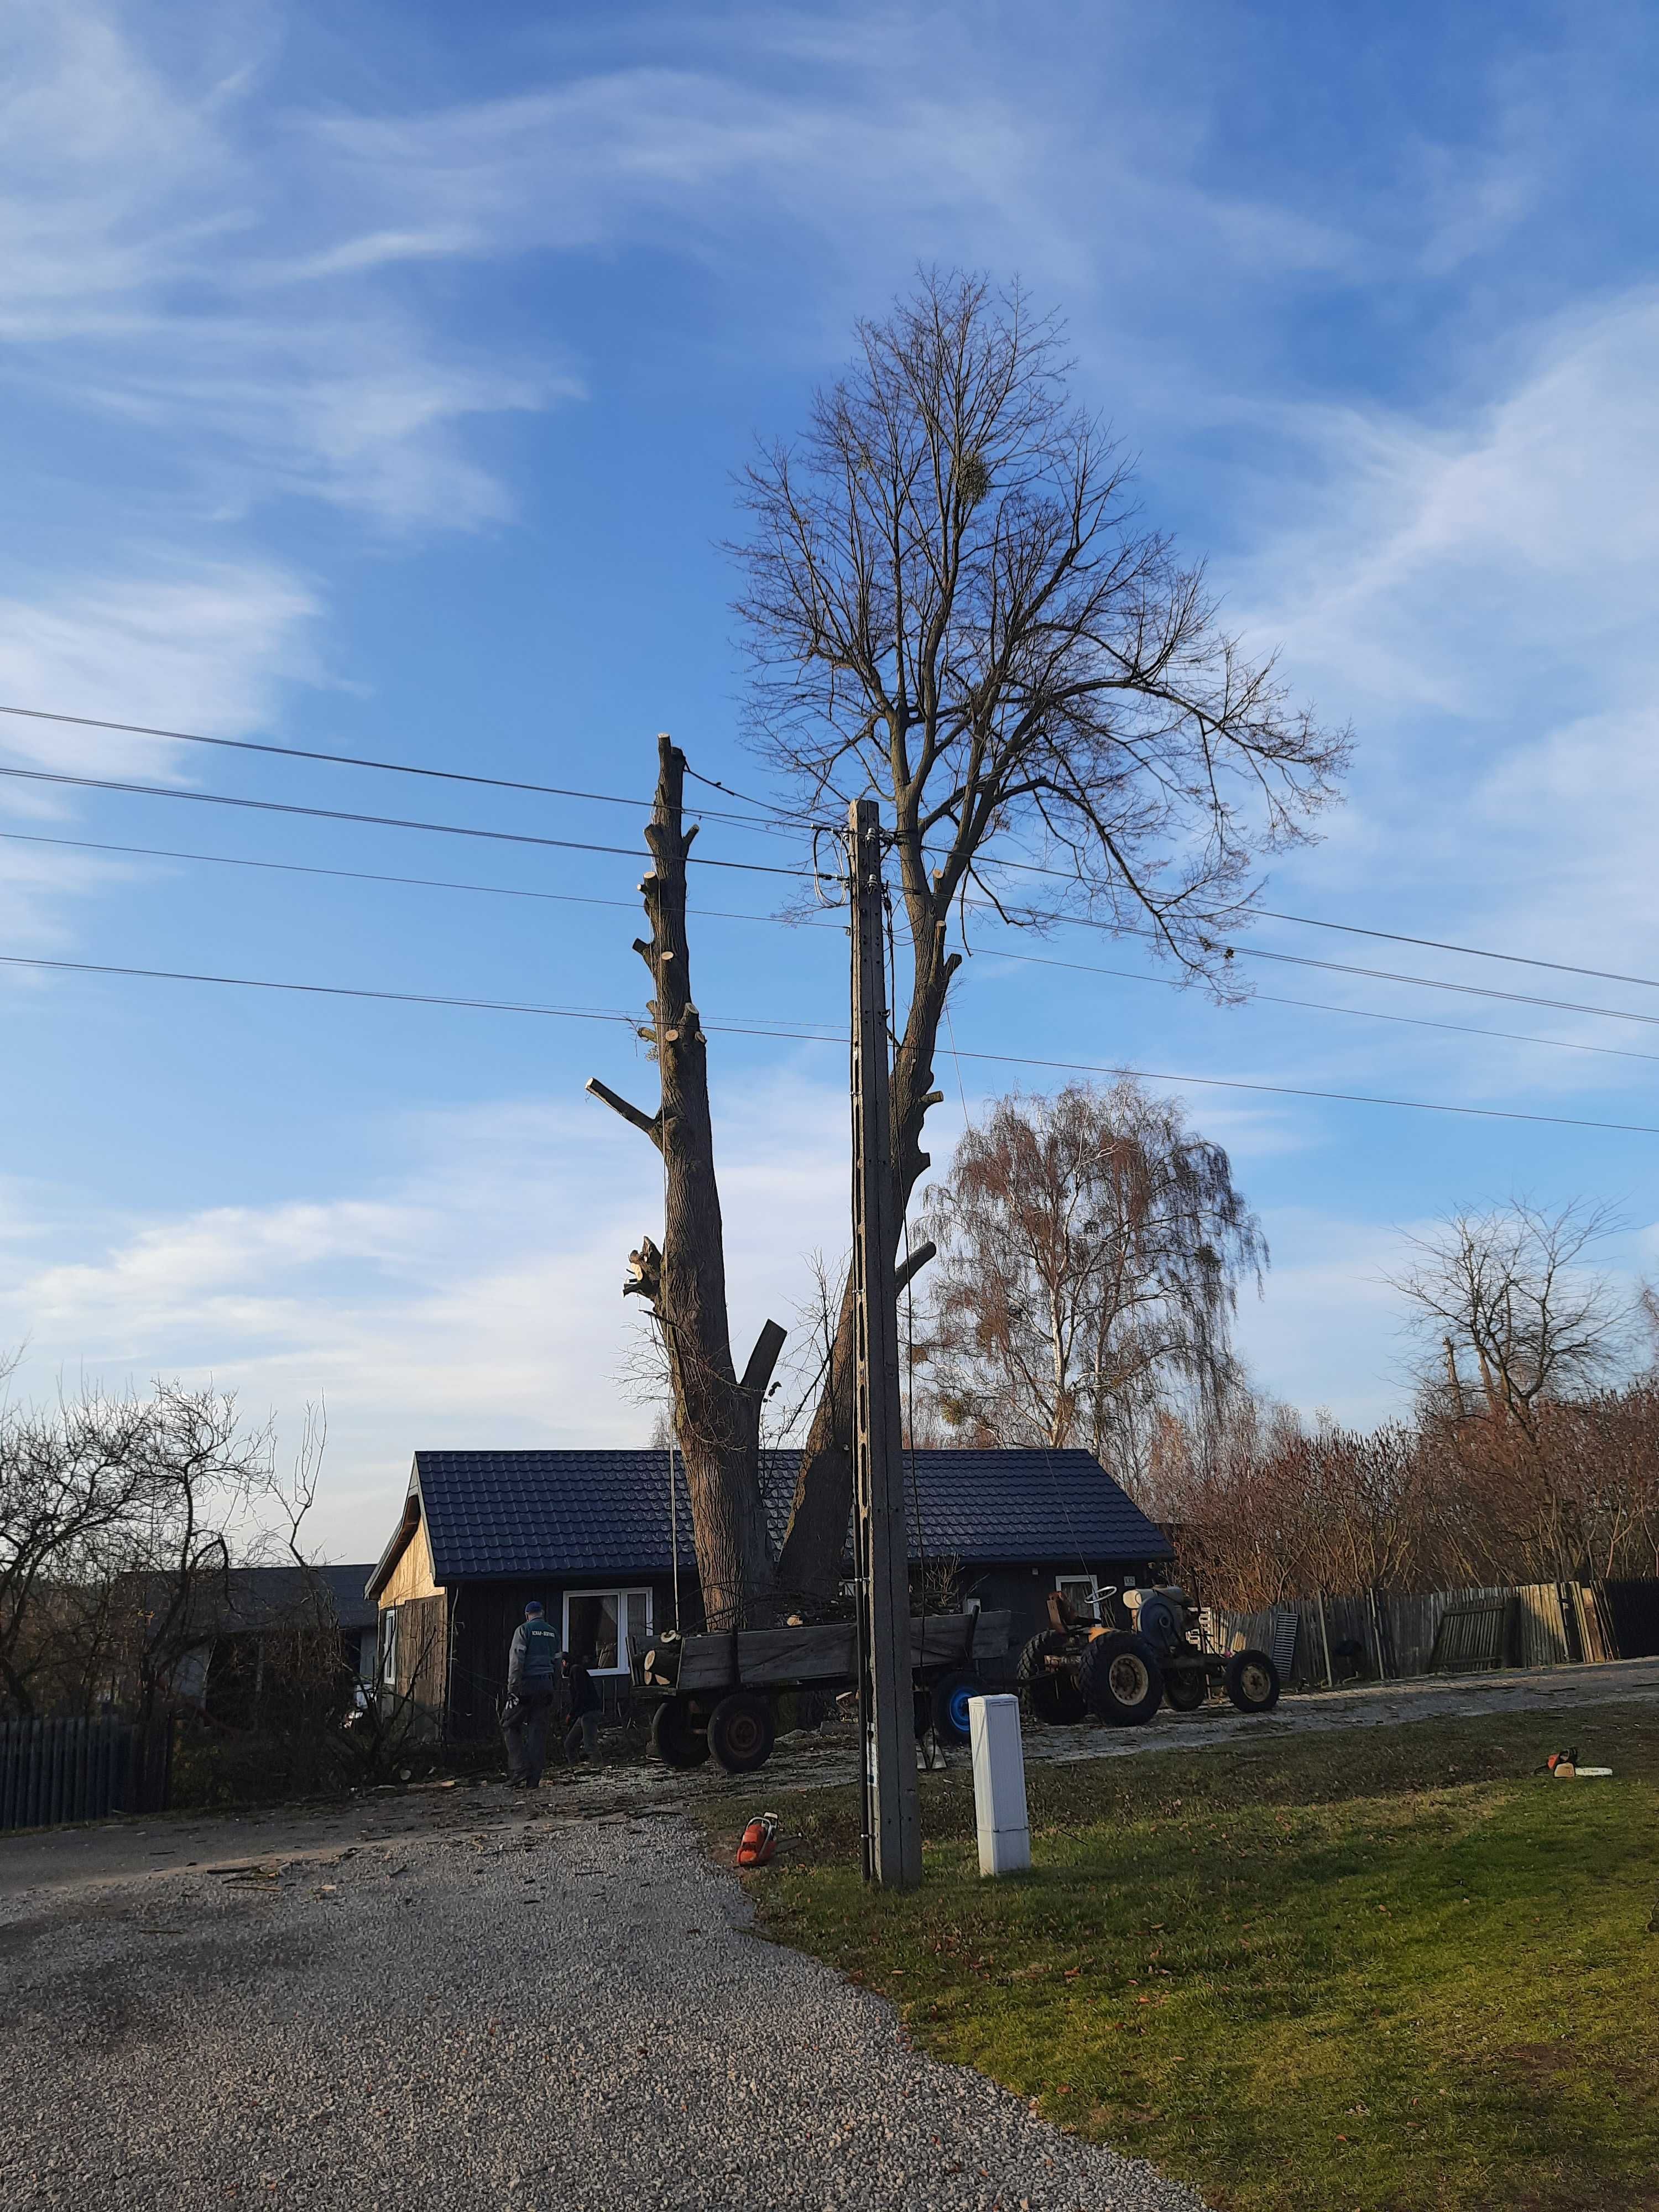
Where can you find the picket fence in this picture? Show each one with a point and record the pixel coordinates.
(1379, 1635)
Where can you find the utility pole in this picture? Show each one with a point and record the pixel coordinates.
(892, 1828)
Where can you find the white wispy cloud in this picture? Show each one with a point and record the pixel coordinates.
(474, 1298)
(1478, 592)
(142, 203)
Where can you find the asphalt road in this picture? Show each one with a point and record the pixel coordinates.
(526, 2012)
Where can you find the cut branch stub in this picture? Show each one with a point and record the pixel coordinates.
(645, 1273)
(649, 1124)
(763, 1358)
(912, 1265)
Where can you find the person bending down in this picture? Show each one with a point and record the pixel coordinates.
(582, 1739)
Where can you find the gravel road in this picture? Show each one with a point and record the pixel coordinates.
(508, 2004)
(534, 2013)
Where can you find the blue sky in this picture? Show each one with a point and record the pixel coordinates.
(373, 381)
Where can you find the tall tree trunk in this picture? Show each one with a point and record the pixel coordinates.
(717, 1412)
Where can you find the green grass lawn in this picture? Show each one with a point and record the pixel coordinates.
(1395, 1968)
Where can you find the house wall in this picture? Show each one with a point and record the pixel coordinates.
(486, 1615)
(412, 1576)
(423, 1657)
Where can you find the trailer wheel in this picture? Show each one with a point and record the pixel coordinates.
(740, 1732)
(1253, 1682)
(1186, 1687)
(675, 1737)
(1051, 1697)
(950, 1696)
(1121, 1679)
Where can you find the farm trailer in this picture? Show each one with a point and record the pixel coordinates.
(715, 1696)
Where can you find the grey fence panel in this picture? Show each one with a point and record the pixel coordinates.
(1278, 1630)
(53, 1771)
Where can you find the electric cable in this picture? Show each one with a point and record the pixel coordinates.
(381, 821)
(720, 913)
(1325, 1006)
(797, 1036)
(383, 767)
(1433, 983)
(1473, 952)
(367, 876)
(772, 820)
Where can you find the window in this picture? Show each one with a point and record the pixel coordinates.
(389, 1647)
(1080, 1592)
(598, 1625)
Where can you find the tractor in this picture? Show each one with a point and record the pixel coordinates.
(1085, 1663)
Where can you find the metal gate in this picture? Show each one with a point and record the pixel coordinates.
(82, 1770)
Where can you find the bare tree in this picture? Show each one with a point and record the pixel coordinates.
(116, 1516)
(1509, 1313)
(951, 602)
(716, 1411)
(1092, 1246)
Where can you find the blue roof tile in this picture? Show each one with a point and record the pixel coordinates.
(606, 1513)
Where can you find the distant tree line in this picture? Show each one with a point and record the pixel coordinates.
(1531, 1455)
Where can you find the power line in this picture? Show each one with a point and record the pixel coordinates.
(1324, 1006)
(382, 821)
(794, 1036)
(720, 914)
(1474, 951)
(1295, 1090)
(614, 1014)
(365, 876)
(1433, 983)
(386, 768)
(772, 821)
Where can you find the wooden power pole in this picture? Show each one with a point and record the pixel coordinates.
(892, 1828)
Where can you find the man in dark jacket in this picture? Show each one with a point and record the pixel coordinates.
(582, 1739)
(533, 1683)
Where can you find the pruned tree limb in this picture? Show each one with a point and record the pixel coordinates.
(649, 1124)
(912, 1262)
(763, 1358)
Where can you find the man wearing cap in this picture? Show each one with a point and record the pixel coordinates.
(532, 1681)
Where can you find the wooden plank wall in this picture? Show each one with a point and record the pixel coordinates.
(423, 1655)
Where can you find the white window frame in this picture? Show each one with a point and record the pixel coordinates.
(631, 1622)
(386, 1671)
(1065, 1583)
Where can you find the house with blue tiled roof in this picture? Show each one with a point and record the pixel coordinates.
(604, 1539)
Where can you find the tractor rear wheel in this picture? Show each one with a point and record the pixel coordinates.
(741, 1733)
(1186, 1687)
(1122, 1679)
(1050, 1694)
(675, 1737)
(1253, 1682)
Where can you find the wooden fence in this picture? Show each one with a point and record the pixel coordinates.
(53, 1771)
(1379, 1636)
